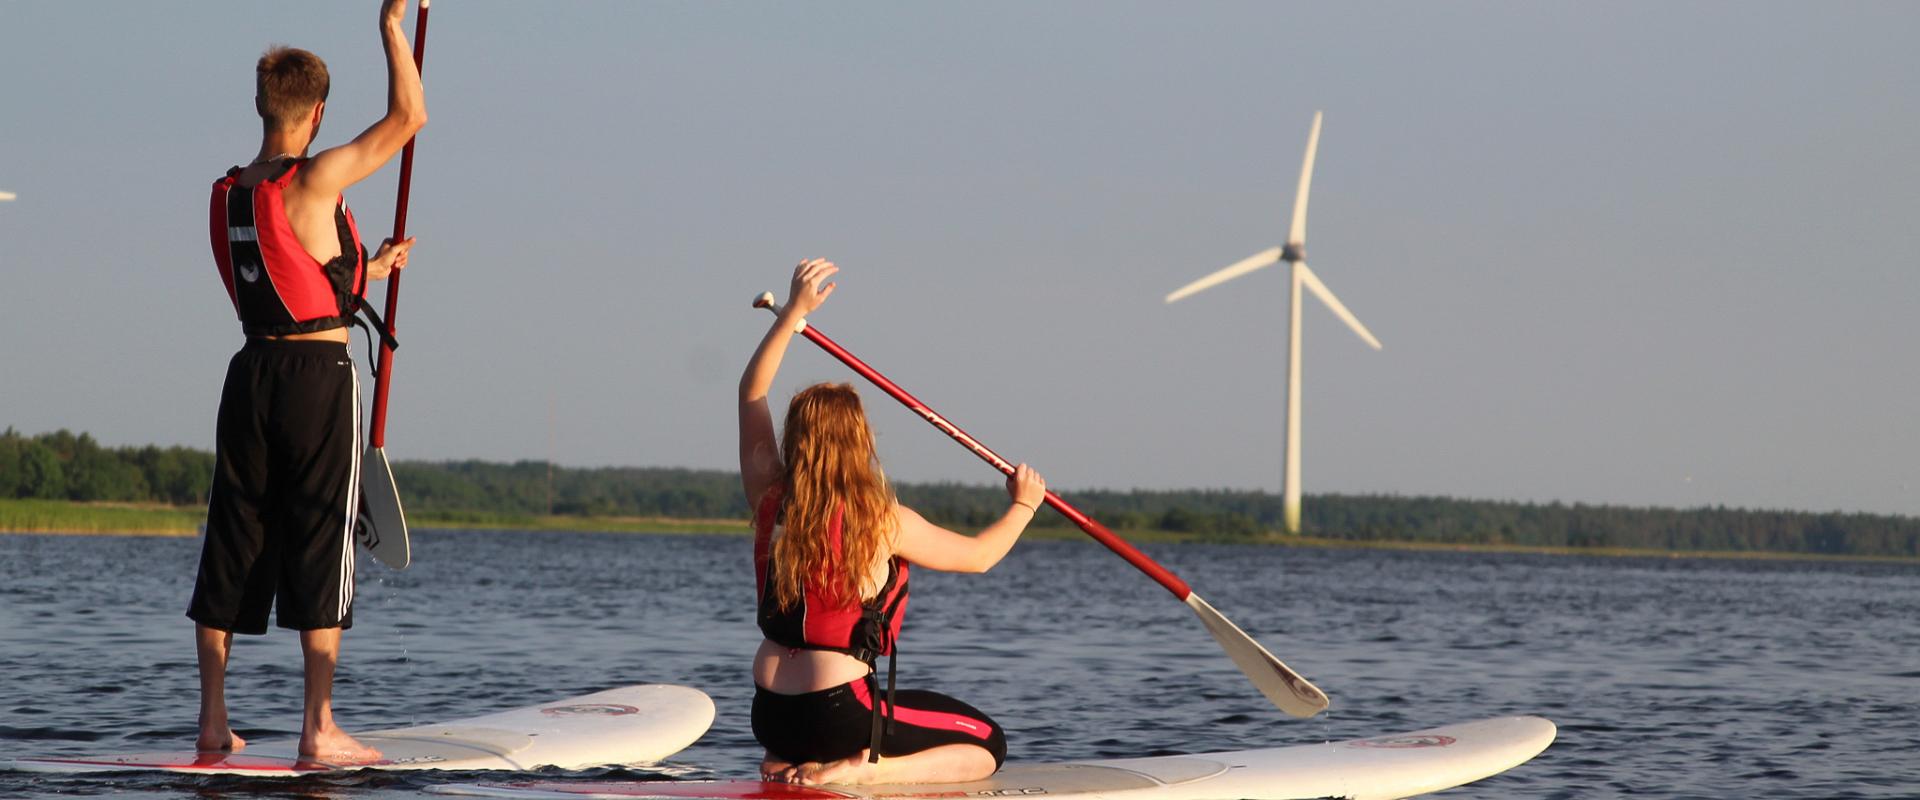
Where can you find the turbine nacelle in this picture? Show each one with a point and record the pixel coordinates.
(1293, 253)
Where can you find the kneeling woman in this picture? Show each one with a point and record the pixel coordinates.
(831, 553)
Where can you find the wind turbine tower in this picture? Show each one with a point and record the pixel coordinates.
(1294, 252)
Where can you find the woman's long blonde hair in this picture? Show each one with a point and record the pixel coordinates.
(829, 464)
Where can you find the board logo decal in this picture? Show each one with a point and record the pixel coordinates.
(1405, 742)
(588, 709)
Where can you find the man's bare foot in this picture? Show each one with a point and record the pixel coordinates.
(850, 770)
(219, 740)
(774, 768)
(335, 747)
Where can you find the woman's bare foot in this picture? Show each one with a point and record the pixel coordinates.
(219, 740)
(774, 768)
(850, 770)
(335, 747)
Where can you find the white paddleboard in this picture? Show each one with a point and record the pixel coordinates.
(618, 726)
(1379, 768)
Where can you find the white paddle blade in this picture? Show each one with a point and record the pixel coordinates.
(1263, 258)
(1297, 235)
(1321, 291)
(381, 526)
(1284, 687)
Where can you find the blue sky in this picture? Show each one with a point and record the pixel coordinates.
(1643, 253)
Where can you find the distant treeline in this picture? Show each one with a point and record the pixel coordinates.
(523, 488)
(62, 465)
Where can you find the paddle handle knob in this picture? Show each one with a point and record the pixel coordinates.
(765, 300)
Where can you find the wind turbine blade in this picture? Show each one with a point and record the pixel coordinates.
(1261, 259)
(1321, 291)
(4, 196)
(1297, 235)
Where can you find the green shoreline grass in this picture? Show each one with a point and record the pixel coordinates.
(125, 519)
(60, 516)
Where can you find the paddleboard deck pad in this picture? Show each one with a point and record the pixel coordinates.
(617, 726)
(1378, 768)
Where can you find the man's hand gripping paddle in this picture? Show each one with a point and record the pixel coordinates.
(382, 525)
(1284, 687)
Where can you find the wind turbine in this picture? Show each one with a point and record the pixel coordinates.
(1295, 254)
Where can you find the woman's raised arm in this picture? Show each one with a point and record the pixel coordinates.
(759, 451)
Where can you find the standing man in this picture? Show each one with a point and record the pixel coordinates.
(286, 484)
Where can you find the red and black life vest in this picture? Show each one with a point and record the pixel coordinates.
(865, 631)
(278, 288)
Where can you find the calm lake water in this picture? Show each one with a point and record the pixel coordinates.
(1669, 678)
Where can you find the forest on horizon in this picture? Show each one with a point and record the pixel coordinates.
(76, 468)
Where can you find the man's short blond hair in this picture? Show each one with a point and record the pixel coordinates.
(287, 82)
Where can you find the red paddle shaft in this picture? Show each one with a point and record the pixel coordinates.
(385, 370)
(1094, 529)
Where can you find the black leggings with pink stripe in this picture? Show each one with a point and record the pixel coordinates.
(832, 724)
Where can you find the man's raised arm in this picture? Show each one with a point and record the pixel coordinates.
(334, 169)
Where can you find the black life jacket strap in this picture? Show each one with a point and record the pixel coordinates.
(284, 329)
(348, 274)
(892, 646)
(378, 328)
(893, 668)
(874, 737)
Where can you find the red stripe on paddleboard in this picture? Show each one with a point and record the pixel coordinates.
(706, 790)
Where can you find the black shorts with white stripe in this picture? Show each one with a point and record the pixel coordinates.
(286, 489)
